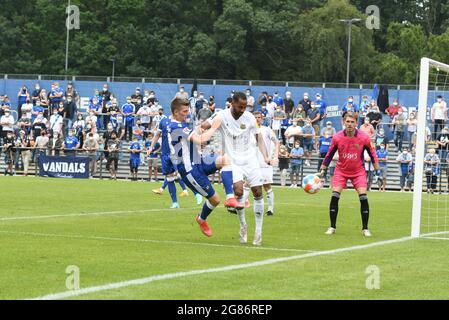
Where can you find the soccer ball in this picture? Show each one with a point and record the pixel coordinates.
(311, 184)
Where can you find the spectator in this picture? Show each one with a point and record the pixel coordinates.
(192, 101)
(322, 106)
(128, 110)
(7, 123)
(296, 155)
(113, 148)
(22, 96)
(137, 99)
(432, 170)
(382, 155)
(380, 139)
(44, 102)
(134, 158)
(271, 108)
(284, 165)
(24, 143)
(364, 109)
(368, 129)
(351, 106)
(38, 126)
(289, 104)
(152, 157)
(56, 122)
(145, 119)
(324, 146)
(120, 127)
(9, 143)
(138, 130)
(329, 129)
(399, 123)
(374, 114)
(56, 95)
(200, 103)
(278, 116)
(392, 111)
(24, 123)
(69, 113)
(212, 104)
(314, 117)
(79, 126)
(182, 93)
(71, 144)
(443, 144)
(278, 100)
(299, 115)
(36, 93)
(26, 109)
(412, 126)
(293, 133)
(404, 159)
(285, 124)
(439, 116)
(157, 119)
(250, 101)
(55, 144)
(41, 143)
(410, 177)
(91, 147)
(306, 103)
(262, 100)
(308, 134)
(36, 110)
(71, 92)
(204, 113)
(107, 104)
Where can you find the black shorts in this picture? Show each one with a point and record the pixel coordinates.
(114, 162)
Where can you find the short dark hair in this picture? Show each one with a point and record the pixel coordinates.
(350, 114)
(256, 113)
(238, 96)
(177, 103)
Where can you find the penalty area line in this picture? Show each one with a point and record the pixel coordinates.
(168, 276)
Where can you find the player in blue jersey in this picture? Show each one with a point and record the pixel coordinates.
(168, 168)
(192, 166)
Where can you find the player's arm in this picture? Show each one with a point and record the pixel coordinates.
(200, 138)
(262, 148)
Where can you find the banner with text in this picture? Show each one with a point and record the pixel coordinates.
(64, 167)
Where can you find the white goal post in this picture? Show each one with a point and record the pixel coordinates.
(427, 65)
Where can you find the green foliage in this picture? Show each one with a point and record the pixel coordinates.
(237, 39)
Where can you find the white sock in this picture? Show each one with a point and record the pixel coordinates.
(258, 213)
(246, 191)
(241, 212)
(270, 198)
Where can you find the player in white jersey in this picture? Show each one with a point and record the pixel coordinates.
(272, 147)
(238, 127)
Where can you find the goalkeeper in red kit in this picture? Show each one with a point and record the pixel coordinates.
(351, 145)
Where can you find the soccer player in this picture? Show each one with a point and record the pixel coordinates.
(237, 127)
(272, 147)
(193, 167)
(350, 144)
(168, 168)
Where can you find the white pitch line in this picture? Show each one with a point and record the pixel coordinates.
(89, 214)
(435, 238)
(141, 281)
(37, 234)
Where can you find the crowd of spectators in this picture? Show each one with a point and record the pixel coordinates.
(51, 122)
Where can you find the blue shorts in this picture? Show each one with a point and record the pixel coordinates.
(197, 179)
(167, 165)
(134, 163)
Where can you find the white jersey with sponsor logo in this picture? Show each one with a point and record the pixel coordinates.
(237, 136)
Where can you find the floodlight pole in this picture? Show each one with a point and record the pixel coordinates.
(67, 42)
(349, 22)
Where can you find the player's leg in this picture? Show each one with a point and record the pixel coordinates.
(184, 193)
(268, 180)
(255, 180)
(361, 187)
(172, 190)
(338, 184)
(223, 163)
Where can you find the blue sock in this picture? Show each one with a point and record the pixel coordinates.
(181, 183)
(164, 185)
(226, 178)
(172, 191)
(207, 209)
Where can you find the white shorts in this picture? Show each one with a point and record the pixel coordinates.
(267, 174)
(252, 173)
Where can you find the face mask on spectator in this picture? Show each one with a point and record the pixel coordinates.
(7, 113)
(306, 97)
(248, 93)
(395, 103)
(350, 101)
(329, 125)
(404, 152)
(128, 100)
(288, 96)
(296, 146)
(151, 96)
(439, 99)
(195, 94)
(295, 123)
(399, 112)
(366, 121)
(181, 90)
(382, 147)
(55, 135)
(318, 98)
(105, 89)
(381, 132)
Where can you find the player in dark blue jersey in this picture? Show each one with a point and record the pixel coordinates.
(168, 168)
(193, 168)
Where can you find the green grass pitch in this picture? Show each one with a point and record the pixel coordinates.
(116, 231)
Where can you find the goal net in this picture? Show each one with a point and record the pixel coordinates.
(430, 198)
